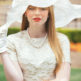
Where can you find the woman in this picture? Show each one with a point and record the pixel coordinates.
(37, 52)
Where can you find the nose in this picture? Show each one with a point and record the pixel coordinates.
(37, 11)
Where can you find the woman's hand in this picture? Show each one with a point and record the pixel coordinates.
(3, 39)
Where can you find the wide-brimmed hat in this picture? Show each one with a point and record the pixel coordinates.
(64, 11)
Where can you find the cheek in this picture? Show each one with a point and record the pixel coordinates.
(29, 15)
(45, 14)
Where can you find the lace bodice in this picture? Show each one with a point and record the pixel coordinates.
(35, 63)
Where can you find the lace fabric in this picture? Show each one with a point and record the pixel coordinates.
(35, 63)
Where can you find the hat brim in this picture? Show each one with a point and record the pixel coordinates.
(64, 11)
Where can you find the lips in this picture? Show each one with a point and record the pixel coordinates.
(37, 19)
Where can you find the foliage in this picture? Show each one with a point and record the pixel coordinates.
(74, 35)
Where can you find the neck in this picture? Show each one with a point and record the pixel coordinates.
(36, 31)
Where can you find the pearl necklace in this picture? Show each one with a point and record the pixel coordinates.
(36, 42)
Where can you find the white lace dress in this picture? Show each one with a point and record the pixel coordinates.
(35, 63)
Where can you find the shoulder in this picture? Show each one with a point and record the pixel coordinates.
(62, 37)
(15, 39)
(16, 35)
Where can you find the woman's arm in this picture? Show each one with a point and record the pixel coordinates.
(64, 72)
(11, 68)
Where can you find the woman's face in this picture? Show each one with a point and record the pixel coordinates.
(36, 15)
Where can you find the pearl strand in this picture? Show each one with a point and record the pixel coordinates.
(31, 41)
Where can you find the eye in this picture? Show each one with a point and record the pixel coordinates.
(43, 8)
(31, 8)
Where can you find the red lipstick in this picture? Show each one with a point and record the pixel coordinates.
(37, 19)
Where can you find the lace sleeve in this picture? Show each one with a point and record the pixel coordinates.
(11, 50)
(65, 45)
(66, 50)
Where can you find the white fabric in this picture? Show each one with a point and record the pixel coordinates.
(35, 63)
(3, 38)
(64, 12)
(65, 45)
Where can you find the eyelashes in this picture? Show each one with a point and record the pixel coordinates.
(31, 8)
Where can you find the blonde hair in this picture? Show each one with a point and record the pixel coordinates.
(52, 36)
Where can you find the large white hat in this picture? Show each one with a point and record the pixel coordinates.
(64, 11)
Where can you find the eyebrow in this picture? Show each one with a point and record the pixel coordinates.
(36, 7)
(32, 6)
